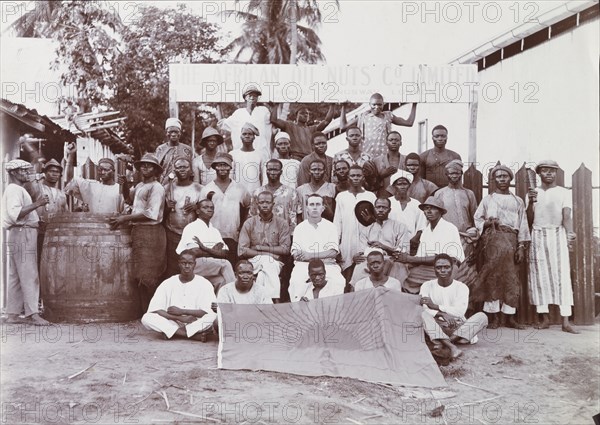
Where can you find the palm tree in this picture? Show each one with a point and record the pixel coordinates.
(268, 33)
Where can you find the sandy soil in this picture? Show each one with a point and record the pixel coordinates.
(135, 376)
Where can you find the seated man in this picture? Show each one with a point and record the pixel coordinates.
(388, 235)
(439, 236)
(181, 304)
(317, 286)
(376, 278)
(205, 242)
(445, 302)
(243, 290)
(314, 238)
(264, 239)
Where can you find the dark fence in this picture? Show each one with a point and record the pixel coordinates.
(583, 254)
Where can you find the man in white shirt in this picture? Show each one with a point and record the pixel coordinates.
(182, 304)
(314, 238)
(243, 289)
(445, 302)
(317, 286)
(205, 242)
(439, 236)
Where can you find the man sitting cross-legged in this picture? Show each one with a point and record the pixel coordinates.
(243, 289)
(445, 302)
(377, 277)
(317, 286)
(182, 304)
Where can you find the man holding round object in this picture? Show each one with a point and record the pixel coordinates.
(20, 220)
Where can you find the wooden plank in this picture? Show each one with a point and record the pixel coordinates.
(473, 179)
(491, 181)
(583, 284)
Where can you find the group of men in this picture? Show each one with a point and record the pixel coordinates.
(275, 222)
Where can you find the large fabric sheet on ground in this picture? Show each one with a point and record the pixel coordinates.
(373, 335)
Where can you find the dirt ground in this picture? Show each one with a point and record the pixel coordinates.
(122, 373)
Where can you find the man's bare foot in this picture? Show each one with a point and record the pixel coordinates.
(567, 328)
(512, 323)
(545, 323)
(37, 320)
(458, 340)
(455, 353)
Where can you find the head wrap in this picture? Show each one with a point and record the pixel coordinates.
(401, 174)
(503, 168)
(17, 164)
(252, 128)
(455, 164)
(281, 135)
(172, 122)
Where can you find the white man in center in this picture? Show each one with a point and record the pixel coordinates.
(314, 238)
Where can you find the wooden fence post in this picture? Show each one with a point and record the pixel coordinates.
(583, 225)
(473, 179)
(491, 180)
(89, 169)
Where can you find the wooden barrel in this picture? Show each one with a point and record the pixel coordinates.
(86, 271)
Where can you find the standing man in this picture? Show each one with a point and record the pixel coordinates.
(290, 166)
(549, 273)
(147, 233)
(502, 222)
(255, 114)
(101, 197)
(380, 169)
(182, 304)
(435, 159)
(57, 199)
(354, 154)
(319, 141)
(317, 184)
(231, 201)
(201, 165)
(247, 161)
(420, 189)
(301, 133)
(181, 198)
(340, 172)
(315, 238)
(284, 197)
(171, 149)
(264, 240)
(345, 220)
(445, 302)
(376, 123)
(20, 220)
(204, 240)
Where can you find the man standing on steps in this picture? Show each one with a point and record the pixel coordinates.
(552, 234)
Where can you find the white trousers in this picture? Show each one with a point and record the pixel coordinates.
(565, 310)
(155, 322)
(267, 271)
(494, 307)
(468, 330)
